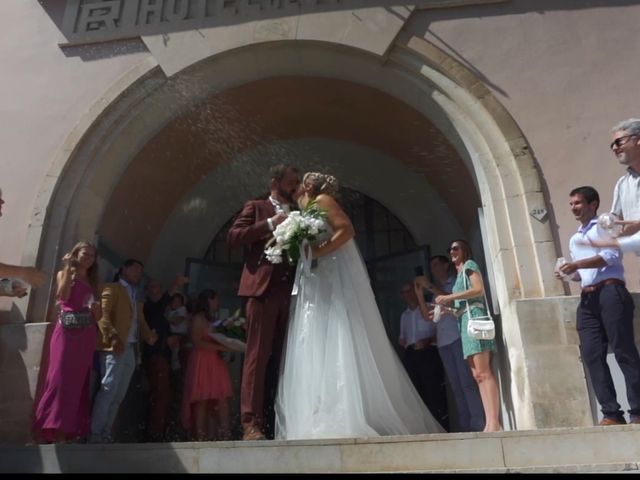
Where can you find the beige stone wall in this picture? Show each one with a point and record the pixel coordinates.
(21, 350)
(45, 93)
(555, 66)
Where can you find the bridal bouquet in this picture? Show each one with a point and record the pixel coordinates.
(293, 231)
(231, 332)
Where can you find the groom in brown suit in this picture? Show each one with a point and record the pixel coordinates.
(268, 288)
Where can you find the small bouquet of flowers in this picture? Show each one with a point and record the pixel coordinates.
(231, 332)
(293, 231)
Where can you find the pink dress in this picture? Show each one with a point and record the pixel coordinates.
(207, 378)
(65, 402)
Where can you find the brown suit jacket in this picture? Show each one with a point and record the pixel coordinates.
(251, 230)
(117, 315)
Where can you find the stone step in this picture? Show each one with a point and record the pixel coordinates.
(565, 450)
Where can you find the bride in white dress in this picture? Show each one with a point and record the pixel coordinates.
(340, 376)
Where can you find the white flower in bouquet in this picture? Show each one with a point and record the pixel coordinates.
(289, 235)
(231, 332)
(274, 254)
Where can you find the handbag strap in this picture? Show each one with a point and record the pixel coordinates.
(467, 287)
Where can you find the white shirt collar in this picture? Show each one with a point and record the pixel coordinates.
(280, 207)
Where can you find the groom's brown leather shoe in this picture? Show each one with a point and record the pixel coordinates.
(606, 421)
(253, 433)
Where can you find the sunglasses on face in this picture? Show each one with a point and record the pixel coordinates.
(454, 248)
(620, 141)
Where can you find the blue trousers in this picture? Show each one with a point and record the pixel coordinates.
(605, 319)
(464, 387)
(115, 376)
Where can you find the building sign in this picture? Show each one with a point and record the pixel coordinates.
(90, 21)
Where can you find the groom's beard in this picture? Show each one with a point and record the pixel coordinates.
(287, 195)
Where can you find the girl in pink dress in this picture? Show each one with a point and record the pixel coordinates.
(207, 387)
(63, 412)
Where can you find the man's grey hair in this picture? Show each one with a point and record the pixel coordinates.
(631, 126)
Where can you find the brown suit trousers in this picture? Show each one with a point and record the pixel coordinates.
(268, 288)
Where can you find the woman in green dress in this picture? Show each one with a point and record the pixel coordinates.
(469, 287)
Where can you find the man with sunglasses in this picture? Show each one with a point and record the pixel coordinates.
(626, 195)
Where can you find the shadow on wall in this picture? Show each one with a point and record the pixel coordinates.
(123, 458)
(502, 368)
(20, 356)
(421, 24)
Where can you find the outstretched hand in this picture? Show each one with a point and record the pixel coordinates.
(422, 282)
(153, 337)
(630, 226)
(180, 280)
(443, 299)
(568, 269)
(17, 290)
(278, 218)
(33, 276)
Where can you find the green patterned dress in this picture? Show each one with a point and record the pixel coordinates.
(470, 345)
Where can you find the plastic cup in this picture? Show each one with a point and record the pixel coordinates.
(559, 263)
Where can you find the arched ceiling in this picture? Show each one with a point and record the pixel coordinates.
(262, 112)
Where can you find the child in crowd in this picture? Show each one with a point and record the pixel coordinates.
(178, 324)
(207, 389)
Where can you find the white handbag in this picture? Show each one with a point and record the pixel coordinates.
(480, 327)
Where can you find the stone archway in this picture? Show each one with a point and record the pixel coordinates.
(90, 165)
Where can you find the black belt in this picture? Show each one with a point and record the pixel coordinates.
(597, 286)
(76, 319)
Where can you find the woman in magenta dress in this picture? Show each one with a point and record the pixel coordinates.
(63, 412)
(207, 388)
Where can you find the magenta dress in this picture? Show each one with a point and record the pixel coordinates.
(65, 402)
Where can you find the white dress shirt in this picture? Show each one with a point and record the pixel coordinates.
(280, 208)
(447, 326)
(414, 328)
(580, 248)
(626, 196)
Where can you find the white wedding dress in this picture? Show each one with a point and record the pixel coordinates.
(340, 376)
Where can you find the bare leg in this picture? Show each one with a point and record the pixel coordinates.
(224, 419)
(200, 420)
(489, 392)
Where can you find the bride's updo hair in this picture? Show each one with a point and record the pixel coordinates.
(322, 183)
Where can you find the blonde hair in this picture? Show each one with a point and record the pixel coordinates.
(322, 183)
(92, 272)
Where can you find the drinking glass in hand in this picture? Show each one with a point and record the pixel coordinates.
(559, 263)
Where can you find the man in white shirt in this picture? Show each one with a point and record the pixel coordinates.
(421, 358)
(626, 194)
(605, 311)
